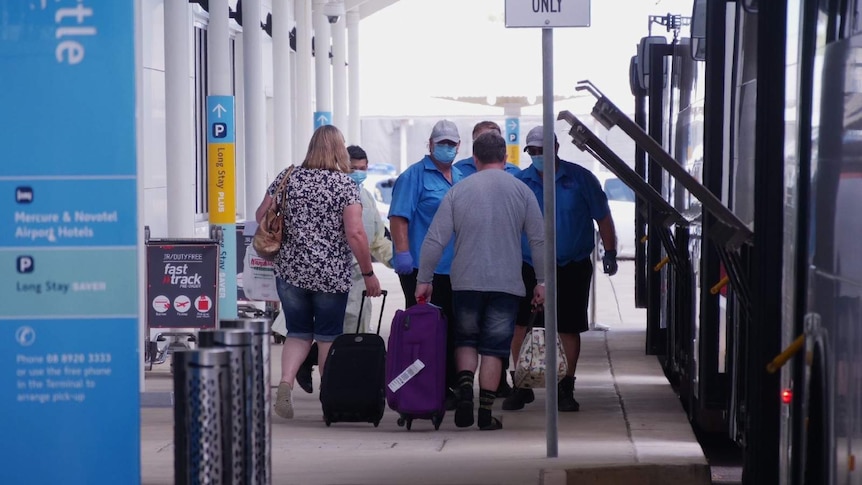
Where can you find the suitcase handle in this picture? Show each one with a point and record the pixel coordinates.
(362, 306)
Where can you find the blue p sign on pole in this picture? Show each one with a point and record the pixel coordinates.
(322, 118)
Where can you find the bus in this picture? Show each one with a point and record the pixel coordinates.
(748, 177)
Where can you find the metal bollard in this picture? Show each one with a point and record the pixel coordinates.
(238, 342)
(201, 381)
(260, 400)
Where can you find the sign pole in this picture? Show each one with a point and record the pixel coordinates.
(322, 66)
(513, 136)
(221, 154)
(549, 15)
(548, 182)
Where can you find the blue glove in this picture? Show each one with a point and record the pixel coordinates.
(403, 262)
(609, 263)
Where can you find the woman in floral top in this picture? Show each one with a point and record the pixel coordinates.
(322, 226)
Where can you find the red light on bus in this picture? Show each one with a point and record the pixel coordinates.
(786, 396)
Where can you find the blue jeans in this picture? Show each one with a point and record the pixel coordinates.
(485, 320)
(311, 314)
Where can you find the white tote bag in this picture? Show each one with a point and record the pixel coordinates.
(258, 277)
(530, 368)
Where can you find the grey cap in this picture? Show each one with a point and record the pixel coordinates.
(445, 130)
(535, 138)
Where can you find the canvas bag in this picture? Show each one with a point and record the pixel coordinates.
(530, 368)
(268, 236)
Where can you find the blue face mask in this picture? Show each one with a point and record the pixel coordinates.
(358, 176)
(538, 162)
(444, 153)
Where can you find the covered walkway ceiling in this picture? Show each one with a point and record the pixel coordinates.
(367, 7)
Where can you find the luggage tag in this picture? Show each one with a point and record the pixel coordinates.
(406, 375)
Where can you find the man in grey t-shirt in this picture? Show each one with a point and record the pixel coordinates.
(487, 213)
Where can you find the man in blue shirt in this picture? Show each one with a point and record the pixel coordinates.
(416, 196)
(580, 201)
(467, 167)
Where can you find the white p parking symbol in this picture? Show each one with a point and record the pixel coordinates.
(25, 264)
(219, 130)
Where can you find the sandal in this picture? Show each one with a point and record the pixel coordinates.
(495, 424)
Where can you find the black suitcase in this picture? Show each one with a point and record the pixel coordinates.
(352, 386)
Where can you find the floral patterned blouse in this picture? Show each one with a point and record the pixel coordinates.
(314, 253)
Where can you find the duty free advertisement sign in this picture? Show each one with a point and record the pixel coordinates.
(182, 281)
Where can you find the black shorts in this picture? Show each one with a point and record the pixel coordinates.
(573, 296)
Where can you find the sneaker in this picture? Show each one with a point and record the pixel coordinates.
(283, 404)
(303, 378)
(518, 399)
(451, 400)
(464, 412)
(566, 396)
(494, 425)
(567, 404)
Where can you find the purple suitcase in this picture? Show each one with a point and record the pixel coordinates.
(418, 335)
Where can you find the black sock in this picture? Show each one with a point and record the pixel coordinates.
(486, 402)
(465, 384)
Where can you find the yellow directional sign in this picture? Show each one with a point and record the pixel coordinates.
(514, 154)
(222, 183)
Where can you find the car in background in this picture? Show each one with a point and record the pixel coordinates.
(382, 169)
(621, 199)
(379, 181)
(377, 172)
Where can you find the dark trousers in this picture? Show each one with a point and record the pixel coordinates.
(442, 297)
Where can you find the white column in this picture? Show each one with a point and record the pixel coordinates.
(298, 149)
(354, 134)
(179, 135)
(239, 123)
(218, 48)
(402, 144)
(322, 74)
(304, 124)
(282, 23)
(255, 109)
(339, 75)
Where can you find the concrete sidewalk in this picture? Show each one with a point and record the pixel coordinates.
(631, 428)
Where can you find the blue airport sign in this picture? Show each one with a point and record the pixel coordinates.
(221, 161)
(322, 118)
(69, 334)
(220, 119)
(513, 131)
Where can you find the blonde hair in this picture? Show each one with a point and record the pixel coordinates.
(327, 150)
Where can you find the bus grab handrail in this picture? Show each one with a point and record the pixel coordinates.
(587, 141)
(607, 113)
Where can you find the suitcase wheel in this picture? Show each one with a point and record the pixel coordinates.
(377, 423)
(327, 421)
(436, 420)
(400, 422)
